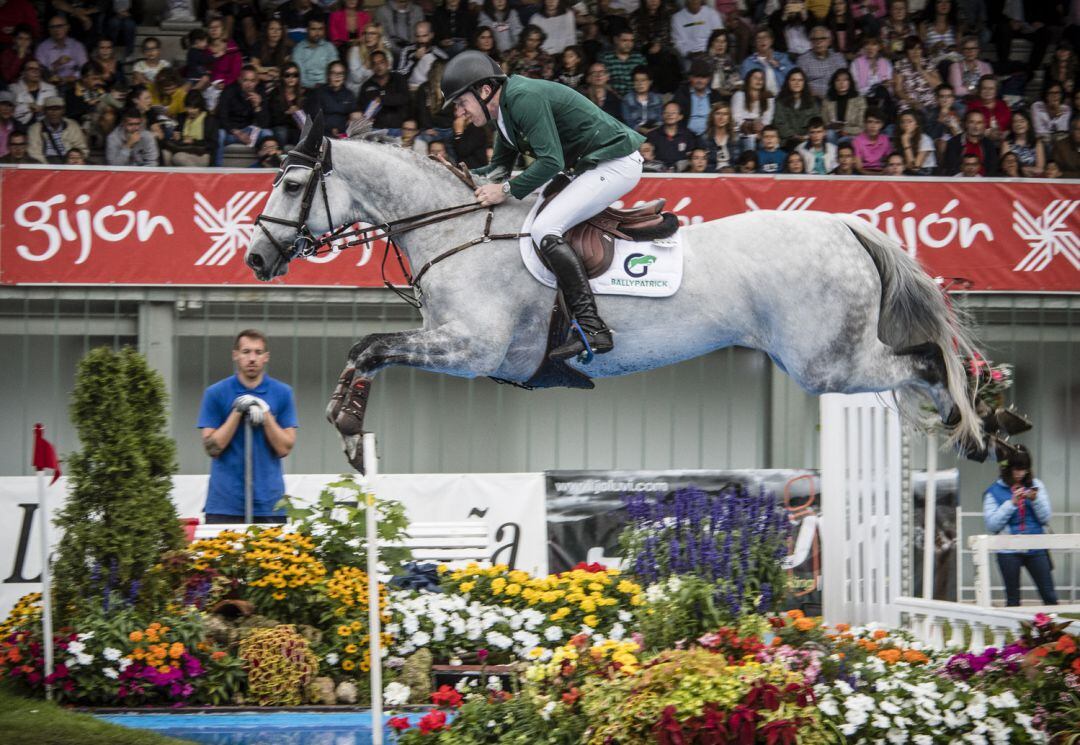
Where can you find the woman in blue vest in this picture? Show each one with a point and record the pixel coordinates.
(1019, 503)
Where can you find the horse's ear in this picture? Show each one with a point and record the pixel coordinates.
(311, 135)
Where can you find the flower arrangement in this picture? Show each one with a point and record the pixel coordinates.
(25, 614)
(595, 600)
(347, 645)
(989, 381)
(279, 665)
(734, 541)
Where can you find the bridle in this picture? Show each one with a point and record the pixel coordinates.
(307, 244)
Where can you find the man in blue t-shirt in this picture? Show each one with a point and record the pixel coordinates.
(268, 405)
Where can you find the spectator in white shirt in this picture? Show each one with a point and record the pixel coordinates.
(692, 26)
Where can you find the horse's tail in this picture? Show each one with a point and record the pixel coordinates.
(914, 310)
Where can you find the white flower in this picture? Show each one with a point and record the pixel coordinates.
(111, 673)
(889, 707)
(625, 616)
(111, 654)
(896, 736)
(85, 659)
(618, 632)
(411, 624)
(462, 685)
(76, 647)
(549, 707)
(125, 664)
(1006, 700)
(553, 633)
(923, 740)
(331, 659)
(494, 683)
(492, 724)
(85, 635)
(420, 639)
(396, 694)
(828, 707)
(882, 722)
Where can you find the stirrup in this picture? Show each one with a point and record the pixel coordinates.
(586, 355)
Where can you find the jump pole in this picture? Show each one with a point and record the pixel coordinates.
(46, 582)
(249, 499)
(930, 517)
(371, 466)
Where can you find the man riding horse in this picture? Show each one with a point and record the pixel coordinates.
(562, 131)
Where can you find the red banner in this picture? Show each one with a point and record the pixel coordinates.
(93, 227)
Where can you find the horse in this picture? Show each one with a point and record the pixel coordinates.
(835, 303)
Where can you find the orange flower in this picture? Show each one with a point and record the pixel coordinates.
(1040, 651)
(215, 656)
(176, 650)
(795, 613)
(136, 636)
(1076, 666)
(804, 624)
(891, 656)
(842, 627)
(870, 647)
(777, 641)
(14, 655)
(880, 634)
(164, 669)
(1065, 644)
(915, 657)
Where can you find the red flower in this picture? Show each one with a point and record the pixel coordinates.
(594, 567)
(780, 732)
(763, 696)
(776, 622)
(433, 721)
(570, 697)
(1076, 666)
(446, 696)
(743, 726)
(399, 723)
(1065, 644)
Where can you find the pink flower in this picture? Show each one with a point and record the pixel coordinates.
(1041, 619)
(996, 375)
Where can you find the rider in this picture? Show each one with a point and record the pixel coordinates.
(563, 131)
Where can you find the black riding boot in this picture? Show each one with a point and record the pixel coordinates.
(574, 283)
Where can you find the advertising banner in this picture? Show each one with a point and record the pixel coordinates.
(511, 505)
(586, 514)
(191, 227)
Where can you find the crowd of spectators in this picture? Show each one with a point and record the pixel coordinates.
(891, 87)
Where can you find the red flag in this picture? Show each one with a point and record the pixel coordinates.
(45, 454)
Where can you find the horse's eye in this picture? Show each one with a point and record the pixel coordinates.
(292, 187)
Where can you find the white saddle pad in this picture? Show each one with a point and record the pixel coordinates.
(643, 269)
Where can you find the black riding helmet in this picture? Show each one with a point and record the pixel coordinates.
(467, 72)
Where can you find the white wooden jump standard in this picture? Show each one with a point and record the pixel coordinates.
(374, 621)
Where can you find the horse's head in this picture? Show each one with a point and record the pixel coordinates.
(300, 207)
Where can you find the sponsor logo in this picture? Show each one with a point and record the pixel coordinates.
(1047, 234)
(637, 265)
(229, 227)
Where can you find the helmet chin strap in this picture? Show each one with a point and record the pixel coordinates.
(485, 100)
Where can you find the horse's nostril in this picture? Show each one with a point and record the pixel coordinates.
(255, 261)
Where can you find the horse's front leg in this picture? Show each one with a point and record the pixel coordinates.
(436, 350)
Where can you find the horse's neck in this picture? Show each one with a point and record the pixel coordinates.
(390, 184)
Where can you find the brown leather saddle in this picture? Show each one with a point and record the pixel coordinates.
(594, 239)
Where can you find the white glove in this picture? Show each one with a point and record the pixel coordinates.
(253, 407)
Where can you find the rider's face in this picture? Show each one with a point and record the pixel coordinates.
(468, 106)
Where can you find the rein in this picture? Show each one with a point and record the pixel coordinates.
(307, 244)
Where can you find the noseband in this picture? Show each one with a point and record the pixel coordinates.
(305, 243)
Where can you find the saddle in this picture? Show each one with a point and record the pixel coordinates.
(594, 239)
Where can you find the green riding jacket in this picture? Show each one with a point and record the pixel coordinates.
(558, 127)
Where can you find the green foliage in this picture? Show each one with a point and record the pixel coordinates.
(337, 525)
(279, 665)
(525, 719)
(119, 518)
(679, 610)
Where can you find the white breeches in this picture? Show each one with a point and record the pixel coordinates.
(587, 195)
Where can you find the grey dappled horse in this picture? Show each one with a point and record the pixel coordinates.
(837, 304)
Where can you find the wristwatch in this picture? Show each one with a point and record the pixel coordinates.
(506, 187)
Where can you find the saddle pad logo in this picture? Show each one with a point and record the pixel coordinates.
(637, 265)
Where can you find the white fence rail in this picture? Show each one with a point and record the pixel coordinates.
(982, 545)
(968, 627)
(1066, 570)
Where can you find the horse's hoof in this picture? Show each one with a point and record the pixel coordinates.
(972, 450)
(354, 451)
(1012, 421)
(1003, 451)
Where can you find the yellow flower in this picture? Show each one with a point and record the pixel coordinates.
(351, 649)
(513, 589)
(343, 630)
(560, 614)
(588, 605)
(279, 595)
(497, 585)
(591, 621)
(627, 587)
(348, 665)
(466, 587)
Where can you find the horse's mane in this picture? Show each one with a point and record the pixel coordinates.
(363, 130)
